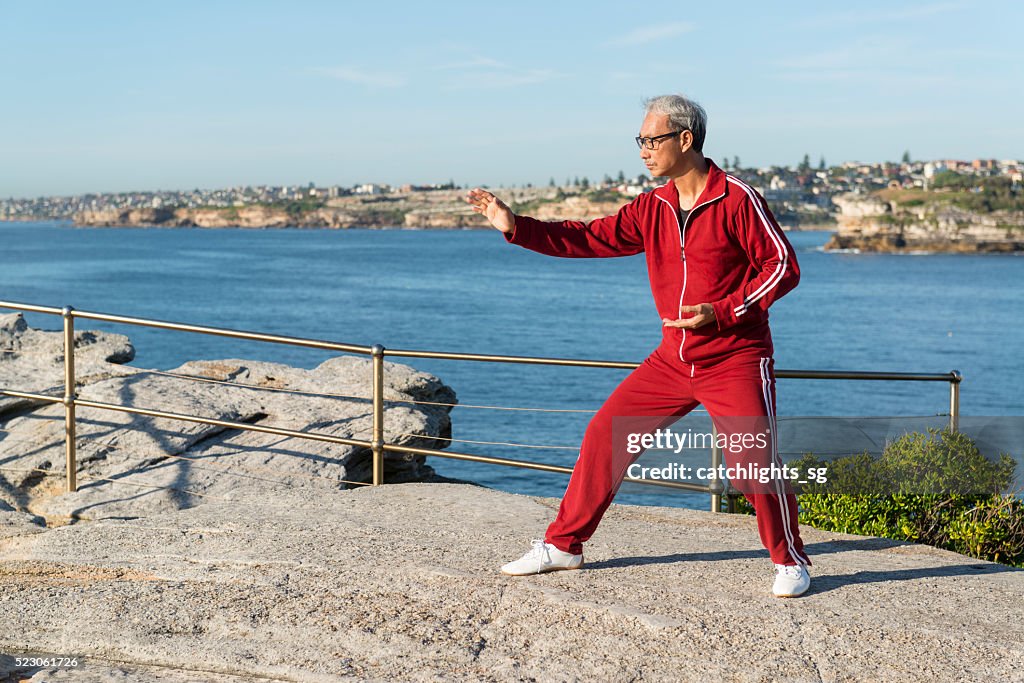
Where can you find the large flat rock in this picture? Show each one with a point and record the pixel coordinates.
(134, 466)
(401, 583)
(32, 360)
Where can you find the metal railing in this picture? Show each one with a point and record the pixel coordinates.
(377, 444)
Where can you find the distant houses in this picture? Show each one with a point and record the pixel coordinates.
(794, 189)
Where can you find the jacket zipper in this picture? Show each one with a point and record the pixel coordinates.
(681, 229)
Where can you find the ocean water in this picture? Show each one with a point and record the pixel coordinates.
(470, 291)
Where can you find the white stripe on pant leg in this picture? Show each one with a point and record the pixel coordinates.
(780, 491)
(801, 556)
(783, 508)
(776, 459)
(783, 503)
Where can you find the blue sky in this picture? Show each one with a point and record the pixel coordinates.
(104, 96)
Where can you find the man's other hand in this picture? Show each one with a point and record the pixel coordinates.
(702, 315)
(495, 210)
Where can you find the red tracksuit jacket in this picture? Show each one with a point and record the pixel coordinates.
(729, 252)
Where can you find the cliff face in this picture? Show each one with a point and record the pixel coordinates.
(414, 210)
(576, 208)
(570, 208)
(450, 217)
(873, 224)
(242, 217)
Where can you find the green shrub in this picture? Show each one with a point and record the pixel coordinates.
(935, 488)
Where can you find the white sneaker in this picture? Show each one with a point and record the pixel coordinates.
(791, 580)
(543, 557)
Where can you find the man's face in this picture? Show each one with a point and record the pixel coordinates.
(667, 158)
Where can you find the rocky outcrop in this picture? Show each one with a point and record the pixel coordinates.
(132, 466)
(869, 223)
(33, 360)
(576, 208)
(412, 210)
(242, 217)
(450, 218)
(579, 208)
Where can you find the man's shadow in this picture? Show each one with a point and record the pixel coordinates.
(820, 583)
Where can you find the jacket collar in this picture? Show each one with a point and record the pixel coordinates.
(713, 190)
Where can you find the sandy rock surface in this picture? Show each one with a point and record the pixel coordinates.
(401, 583)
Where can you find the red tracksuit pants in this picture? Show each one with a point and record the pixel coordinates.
(662, 386)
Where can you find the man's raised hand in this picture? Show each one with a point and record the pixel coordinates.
(492, 208)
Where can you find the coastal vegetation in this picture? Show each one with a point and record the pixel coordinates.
(971, 193)
(529, 206)
(297, 207)
(935, 488)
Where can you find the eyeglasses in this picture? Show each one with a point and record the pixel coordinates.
(649, 143)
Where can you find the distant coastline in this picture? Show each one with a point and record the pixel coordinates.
(435, 210)
(963, 218)
(941, 205)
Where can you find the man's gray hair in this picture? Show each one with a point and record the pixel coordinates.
(682, 113)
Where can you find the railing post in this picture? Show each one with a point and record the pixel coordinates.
(71, 460)
(954, 401)
(377, 438)
(717, 486)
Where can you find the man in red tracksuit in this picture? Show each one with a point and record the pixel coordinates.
(717, 260)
